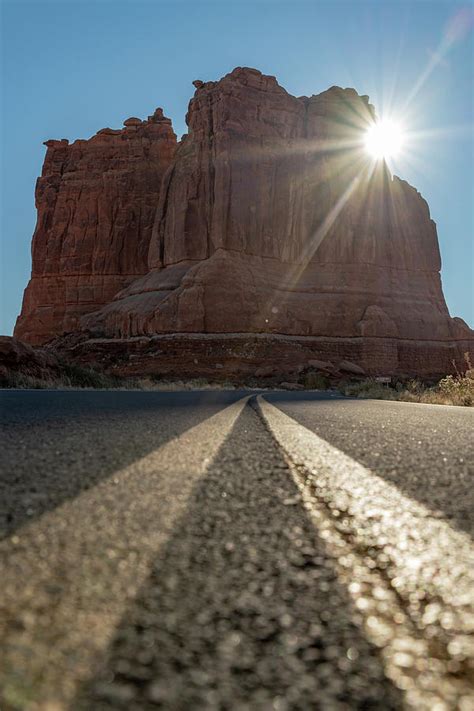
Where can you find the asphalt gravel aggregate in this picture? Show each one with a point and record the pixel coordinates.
(55, 445)
(243, 609)
(156, 552)
(426, 450)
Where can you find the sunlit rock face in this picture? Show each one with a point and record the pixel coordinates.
(270, 218)
(96, 203)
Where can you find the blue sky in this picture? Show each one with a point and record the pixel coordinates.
(70, 68)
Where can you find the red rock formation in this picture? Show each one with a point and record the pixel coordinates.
(96, 204)
(272, 219)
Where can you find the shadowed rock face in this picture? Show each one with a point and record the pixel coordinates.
(96, 204)
(269, 219)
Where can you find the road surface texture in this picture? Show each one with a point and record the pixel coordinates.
(225, 550)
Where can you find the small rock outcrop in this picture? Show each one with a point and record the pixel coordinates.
(268, 218)
(19, 359)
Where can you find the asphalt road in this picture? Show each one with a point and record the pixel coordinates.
(215, 550)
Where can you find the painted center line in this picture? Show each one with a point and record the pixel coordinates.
(410, 574)
(73, 572)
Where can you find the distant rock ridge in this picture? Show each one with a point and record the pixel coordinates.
(267, 217)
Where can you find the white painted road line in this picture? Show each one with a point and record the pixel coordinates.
(411, 574)
(101, 546)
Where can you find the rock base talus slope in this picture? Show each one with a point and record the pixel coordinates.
(259, 357)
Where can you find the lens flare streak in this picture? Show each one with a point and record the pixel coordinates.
(384, 139)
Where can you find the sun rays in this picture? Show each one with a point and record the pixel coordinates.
(348, 165)
(384, 139)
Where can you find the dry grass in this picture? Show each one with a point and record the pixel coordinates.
(451, 390)
(72, 376)
(75, 377)
(314, 381)
(176, 385)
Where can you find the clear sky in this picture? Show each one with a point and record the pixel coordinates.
(70, 68)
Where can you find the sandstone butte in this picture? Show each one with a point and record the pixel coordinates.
(265, 238)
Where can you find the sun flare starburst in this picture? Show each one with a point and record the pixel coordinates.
(384, 139)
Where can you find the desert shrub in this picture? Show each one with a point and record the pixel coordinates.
(458, 389)
(228, 385)
(451, 390)
(24, 381)
(414, 386)
(161, 384)
(74, 376)
(369, 388)
(78, 377)
(154, 378)
(200, 383)
(312, 380)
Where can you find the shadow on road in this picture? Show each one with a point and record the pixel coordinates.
(427, 451)
(243, 608)
(56, 444)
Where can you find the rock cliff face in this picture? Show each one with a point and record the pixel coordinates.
(269, 219)
(96, 204)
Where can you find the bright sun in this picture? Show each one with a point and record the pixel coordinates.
(384, 139)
